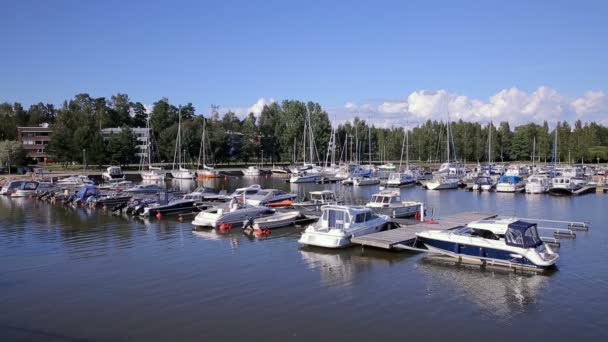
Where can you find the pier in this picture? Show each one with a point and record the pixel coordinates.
(406, 234)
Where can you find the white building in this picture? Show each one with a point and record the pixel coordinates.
(140, 133)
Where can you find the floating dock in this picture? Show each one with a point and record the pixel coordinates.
(406, 235)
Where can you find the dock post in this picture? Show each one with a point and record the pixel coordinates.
(422, 212)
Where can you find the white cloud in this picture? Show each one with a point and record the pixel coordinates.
(512, 104)
(255, 108)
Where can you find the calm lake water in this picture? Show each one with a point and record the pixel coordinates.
(83, 274)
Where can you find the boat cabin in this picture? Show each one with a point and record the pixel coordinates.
(385, 199)
(563, 183)
(324, 196)
(341, 217)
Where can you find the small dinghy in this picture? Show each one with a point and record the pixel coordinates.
(277, 220)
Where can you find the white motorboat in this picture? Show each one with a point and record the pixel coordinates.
(442, 183)
(389, 203)
(32, 187)
(339, 223)
(76, 180)
(510, 184)
(483, 183)
(509, 242)
(246, 191)
(251, 171)
(113, 174)
(397, 179)
(11, 187)
(232, 213)
(363, 181)
(271, 197)
(538, 184)
(203, 193)
(563, 186)
(276, 220)
(318, 198)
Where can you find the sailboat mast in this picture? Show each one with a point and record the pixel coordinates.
(402, 148)
(369, 134)
(311, 141)
(448, 140)
(407, 150)
(533, 151)
(490, 143)
(555, 147)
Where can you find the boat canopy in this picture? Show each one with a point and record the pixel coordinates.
(522, 234)
(509, 179)
(87, 191)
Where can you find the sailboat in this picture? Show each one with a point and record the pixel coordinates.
(206, 171)
(449, 175)
(396, 179)
(309, 173)
(180, 172)
(359, 181)
(149, 172)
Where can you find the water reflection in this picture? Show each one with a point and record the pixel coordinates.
(338, 268)
(182, 185)
(497, 293)
(215, 235)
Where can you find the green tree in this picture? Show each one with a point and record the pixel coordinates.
(12, 152)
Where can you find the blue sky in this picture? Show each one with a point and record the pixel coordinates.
(362, 53)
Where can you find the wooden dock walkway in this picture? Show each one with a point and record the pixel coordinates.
(407, 233)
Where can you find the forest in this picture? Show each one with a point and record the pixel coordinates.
(276, 135)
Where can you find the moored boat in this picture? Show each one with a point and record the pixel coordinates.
(538, 184)
(232, 213)
(509, 242)
(510, 184)
(270, 197)
(339, 223)
(10, 187)
(389, 203)
(113, 174)
(364, 181)
(443, 182)
(483, 183)
(276, 220)
(397, 179)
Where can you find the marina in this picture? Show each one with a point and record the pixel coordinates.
(232, 248)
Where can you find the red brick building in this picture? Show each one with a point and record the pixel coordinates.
(35, 140)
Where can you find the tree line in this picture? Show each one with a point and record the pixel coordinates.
(277, 135)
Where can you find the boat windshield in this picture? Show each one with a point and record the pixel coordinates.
(522, 234)
(366, 216)
(335, 218)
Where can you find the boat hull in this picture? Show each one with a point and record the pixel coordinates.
(276, 221)
(398, 212)
(481, 253)
(305, 179)
(441, 185)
